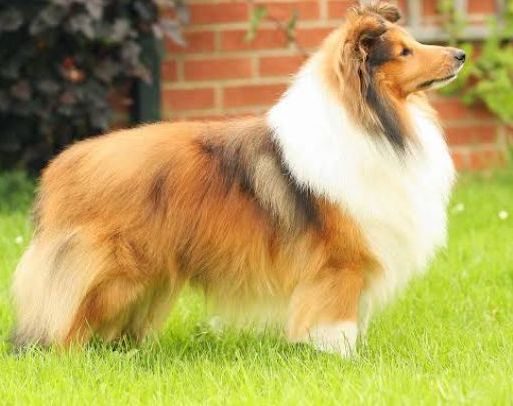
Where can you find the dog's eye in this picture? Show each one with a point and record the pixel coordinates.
(406, 52)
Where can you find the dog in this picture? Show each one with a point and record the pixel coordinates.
(312, 216)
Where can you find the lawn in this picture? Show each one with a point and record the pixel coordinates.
(448, 339)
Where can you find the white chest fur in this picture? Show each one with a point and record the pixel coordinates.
(398, 201)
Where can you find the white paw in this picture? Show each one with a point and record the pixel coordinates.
(216, 325)
(339, 338)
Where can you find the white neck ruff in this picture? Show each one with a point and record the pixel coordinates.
(399, 203)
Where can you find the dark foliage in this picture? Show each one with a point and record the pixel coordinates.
(60, 60)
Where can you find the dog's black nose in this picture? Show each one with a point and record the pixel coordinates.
(460, 55)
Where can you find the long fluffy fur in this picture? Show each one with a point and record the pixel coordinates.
(318, 212)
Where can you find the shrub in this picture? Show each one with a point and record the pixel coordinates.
(60, 61)
(488, 74)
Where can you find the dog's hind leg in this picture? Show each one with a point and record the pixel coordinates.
(127, 298)
(70, 286)
(149, 314)
(105, 309)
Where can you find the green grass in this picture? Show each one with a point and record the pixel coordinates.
(448, 339)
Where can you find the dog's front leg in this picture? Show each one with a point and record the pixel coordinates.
(324, 311)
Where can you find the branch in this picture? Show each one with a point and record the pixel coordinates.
(287, 28)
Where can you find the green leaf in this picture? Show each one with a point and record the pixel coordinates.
(258, 13)
(488, 77)
(10, 20)
(290, 27)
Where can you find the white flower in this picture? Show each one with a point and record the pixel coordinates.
(458, 208)
(19, 240)
(503, 214)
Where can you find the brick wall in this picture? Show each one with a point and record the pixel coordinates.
(220, 74)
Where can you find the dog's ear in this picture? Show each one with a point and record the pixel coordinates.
(364, 31)
(362, 37)
(386, 10)
(369, 36)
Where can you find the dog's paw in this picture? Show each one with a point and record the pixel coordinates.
(216, 325)
(339, 338)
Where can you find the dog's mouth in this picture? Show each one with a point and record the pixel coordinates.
(436, 83)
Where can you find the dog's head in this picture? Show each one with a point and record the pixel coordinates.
(384, 53)
(374, 65)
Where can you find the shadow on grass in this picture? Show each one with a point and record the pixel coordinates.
(170, 351)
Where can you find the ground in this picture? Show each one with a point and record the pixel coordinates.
(448, 339)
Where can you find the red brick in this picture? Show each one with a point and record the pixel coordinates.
(169, 71)
(460, 160)
(311, 37)
(252, 95)
(429, 7)
(220, 68)
(280, 65)
(481, 6)
(452, 108)
(403, 6)
(197, 41)
(469, 134)
(485, 158)
(338, 8)
(280, 10)
(188, 99)
(479, 111)
(218, 13)
(265, 39)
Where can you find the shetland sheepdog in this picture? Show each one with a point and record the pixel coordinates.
(315, 214)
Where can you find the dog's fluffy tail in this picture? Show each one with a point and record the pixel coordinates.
(49, 285)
